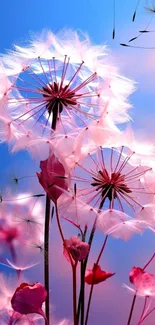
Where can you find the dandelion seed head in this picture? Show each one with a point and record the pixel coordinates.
(63, 76)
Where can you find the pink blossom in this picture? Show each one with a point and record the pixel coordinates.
(144, 282)
(28, 298)
(77, 249)
(96, 275)
(53, 177)
(7, 288)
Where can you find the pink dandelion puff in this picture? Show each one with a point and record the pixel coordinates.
(118, 182)
(64, 76)
(107, 179)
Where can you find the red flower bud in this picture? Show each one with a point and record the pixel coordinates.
(53, 177)
(96, 275)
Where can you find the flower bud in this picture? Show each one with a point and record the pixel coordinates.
(77, 249)
(53, 177)
(96, 275)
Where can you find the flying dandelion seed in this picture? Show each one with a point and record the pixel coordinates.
(114, 20)
(135, 12)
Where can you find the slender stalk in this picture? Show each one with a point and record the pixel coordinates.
(81, 302)
(72, 264)
(46, 255)
(89, 300)
(74, 293)
(61, 233)
(150, 260)
(102, 249)
(82, 288)
(147, 315)
(92, 286)
(58, 223)
(143, 311)
(132, 308)
(82, 293)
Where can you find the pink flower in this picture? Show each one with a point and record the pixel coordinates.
(28, 298)
(53, 177)
(96, 275)
(144, 282)
(78, 249)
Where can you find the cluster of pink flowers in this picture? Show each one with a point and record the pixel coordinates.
(63, 100)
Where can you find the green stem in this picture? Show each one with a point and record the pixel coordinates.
(46, 255)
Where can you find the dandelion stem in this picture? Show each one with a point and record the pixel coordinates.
(132, 308)
(46, 255)
(92, 286)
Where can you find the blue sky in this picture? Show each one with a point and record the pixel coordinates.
(17, 20)
(94, 17)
